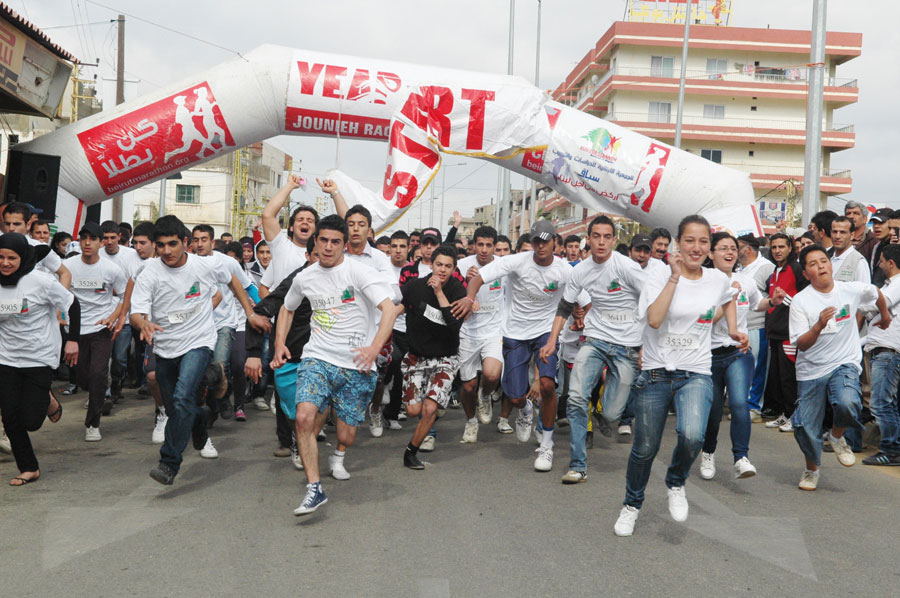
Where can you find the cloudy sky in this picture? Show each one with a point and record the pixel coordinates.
(464, 34)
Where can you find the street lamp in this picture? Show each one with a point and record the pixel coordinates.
(444, 185)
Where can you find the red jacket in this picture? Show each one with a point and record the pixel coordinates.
(791, 279)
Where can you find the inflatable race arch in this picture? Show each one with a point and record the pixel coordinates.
(422, 112)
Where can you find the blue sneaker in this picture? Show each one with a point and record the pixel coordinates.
(315, 498)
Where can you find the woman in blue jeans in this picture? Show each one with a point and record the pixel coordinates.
(677, 304)
(732, 368)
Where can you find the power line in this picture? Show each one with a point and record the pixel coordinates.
(203, 41)
(75, 25)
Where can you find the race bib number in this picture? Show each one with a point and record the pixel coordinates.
(679, 342)
(179, 316)
(434, 315)
(485, 308)
(622, 316)
(10, 307)
(88, 283)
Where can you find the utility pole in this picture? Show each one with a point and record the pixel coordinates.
(120, 97)
(816, 79)
(504, 207)
(537, 71)
(684, 54)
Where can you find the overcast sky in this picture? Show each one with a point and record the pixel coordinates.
(464, 34)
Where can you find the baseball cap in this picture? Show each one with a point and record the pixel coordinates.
(34, 209)
(543, 230)
(641, 240)
(91, 228)
(73, 247)
(430, 233)
(881, 215)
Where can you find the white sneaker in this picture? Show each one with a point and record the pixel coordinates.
(574, 477)
(809, 480)
(87, 403)
(92, 435)
(678, 504)
(707, 465)
(503, 426)
(376, 422)
(755, 416)
(394, 424)
(786, 427)
(401, 416)
(295, 455)
(260, 404)
(5, 446)
(209, 451)
(427, 445)
(470, 434)
(272, 407)
(544, 460)
(538, 433)
(523, 425)
(624, 430)
(777, 423)
(159, 429)
(625, 523)
(743, 469)
(485, 410)
(842, 450)
(337, 468)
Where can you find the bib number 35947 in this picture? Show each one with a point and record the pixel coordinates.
(679, 342)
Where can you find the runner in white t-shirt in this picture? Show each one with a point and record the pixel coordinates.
(677, 308)
(99, 286)
(823, 326)
(16, 216)
(288, 249)
(481, 337)
(393, 414)
(338, 364)
(612, 336)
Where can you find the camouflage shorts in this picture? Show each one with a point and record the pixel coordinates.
(428, 378)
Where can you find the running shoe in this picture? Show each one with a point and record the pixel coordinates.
(393, 424)
(777, 422)
(743, 469)
(503, 426)
(92, 434)
(470, 434)
(625, 523)
(376, 422)
(786, 427)
(809, 480)
(5, 446)
(70, 390)
(401, 416)
(454, 403)
(544, 460)
(678, 504)
(106, 409)
(295, 456)
(239, 415)
(707, 465)
(842, 451)
(159, 428)
(427, 445)
(881, 458)
(574, 477)
(755, 416)
(624, 430)
(523, 425)
(315, 498)
(260, 404)
(412, 461)
(602, 425)
(209, 451)
(163, 474)
(338, 471)
(485, 410)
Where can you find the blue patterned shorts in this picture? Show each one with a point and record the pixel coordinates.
(346, 390)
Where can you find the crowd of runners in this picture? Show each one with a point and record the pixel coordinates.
(525, 337)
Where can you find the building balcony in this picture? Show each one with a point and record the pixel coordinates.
(768, 177)
(739, 130)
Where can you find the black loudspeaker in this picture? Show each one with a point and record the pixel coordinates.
(33, 178)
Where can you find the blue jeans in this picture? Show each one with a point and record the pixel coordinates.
(593, 356)
(179, 384)
(759, 345)
(222, 351)
(656, 390)
(885, 372)
(841, 389)
(120, 354)
(731, 371)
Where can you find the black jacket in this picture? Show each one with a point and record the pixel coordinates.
(429, 338)
(298, 334)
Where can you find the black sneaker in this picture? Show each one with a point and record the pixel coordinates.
(770, 414)
(143, 392)
(107, 407)
(163, 474)
(225, 408)
(199, 434)
(412, 461)
(881, 458)
(602, 425)
(115, 391)
(589, 440)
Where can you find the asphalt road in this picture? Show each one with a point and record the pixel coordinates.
(478, 522)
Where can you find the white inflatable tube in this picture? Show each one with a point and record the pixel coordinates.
(422, 112)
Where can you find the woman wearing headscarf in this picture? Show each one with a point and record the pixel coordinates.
(29, 341)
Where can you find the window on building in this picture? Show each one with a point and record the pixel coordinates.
(716, 66)
(713, 111)
(662, 66)
(752, 108)
(187, 193)
(750, 153)
(713, 155)
(660, 112)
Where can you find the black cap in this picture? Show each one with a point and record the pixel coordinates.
(543, 230)
(430, 233)
(91, 228)
(641, 240)
(881, 215)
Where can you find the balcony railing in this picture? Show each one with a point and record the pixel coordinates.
(794, 171)
(749, 123)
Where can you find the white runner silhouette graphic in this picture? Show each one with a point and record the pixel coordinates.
(215, 135)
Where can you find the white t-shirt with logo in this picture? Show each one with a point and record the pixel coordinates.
(487, 322)
(94, 285)
(381, 263)
(838, 343)
(533, 292)
(747, 300)
(344, 302)
(225, 312)
(29, 330)
(286, 257)
(614, 288)
(683, 340)
(180, 301)
(889, 338)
